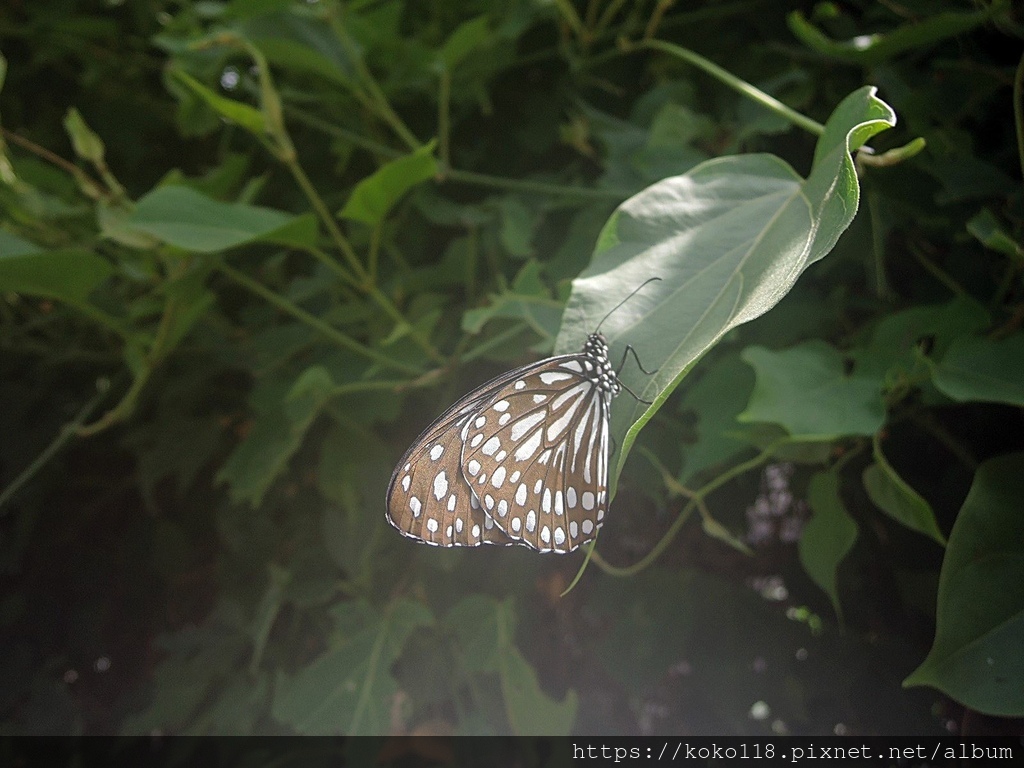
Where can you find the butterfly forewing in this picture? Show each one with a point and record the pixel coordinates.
(428, 499)
(536, 453)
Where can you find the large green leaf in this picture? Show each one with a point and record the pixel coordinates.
(728, 240)
(349, 690)
(828, 536)
(981, 369)
(69, 274)
(976, 657)
(806, 390)
(184, 218)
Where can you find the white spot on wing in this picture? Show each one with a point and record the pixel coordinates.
(436, 451)
(521, 495)
(498, 477)
(501, 406)
(573, 365)
(525, 424)
(432, 525)
(491, 446)
(440, 485)
(527, 449)
(415, 506)
(587, 526)
(588, 500)
(473, 467)
(553, 377)
(531, 521)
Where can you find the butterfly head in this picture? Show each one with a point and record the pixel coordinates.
(596, 350)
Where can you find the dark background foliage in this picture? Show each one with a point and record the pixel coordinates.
(197, 437)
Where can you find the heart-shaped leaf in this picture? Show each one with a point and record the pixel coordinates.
(976, 657)
(728, 240)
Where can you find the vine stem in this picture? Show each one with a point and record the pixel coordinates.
(738, 85)
(696, 497)
(312, 321)
(1018, 110)
(69, 430)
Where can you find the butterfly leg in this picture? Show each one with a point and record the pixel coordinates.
(629, 348)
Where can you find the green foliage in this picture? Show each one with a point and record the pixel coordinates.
(829, 536)
(805, 390)
(976, 656)
(232, 295)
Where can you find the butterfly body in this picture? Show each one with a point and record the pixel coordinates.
(522, 459)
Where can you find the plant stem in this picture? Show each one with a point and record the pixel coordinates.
(536, 187)
(340, 241)
(314, 322)
(66, 432)
(696, 497)
(444, 95)
(1018, 110)
(741, 86)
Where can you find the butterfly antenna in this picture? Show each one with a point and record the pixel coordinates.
(634, 292)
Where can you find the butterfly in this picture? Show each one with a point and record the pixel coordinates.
(522, 459)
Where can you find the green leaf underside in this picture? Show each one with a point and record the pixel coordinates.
(978, 369)
(976, 657)
(349, 690)
(186, 219)
(717, 399)
(69, 274)
(12, 245)
(248, 117)
(828, 536)
(484, 629)
(894, 496)
(728, 240)
(531, 712)
(805, 390)
(375, 195)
